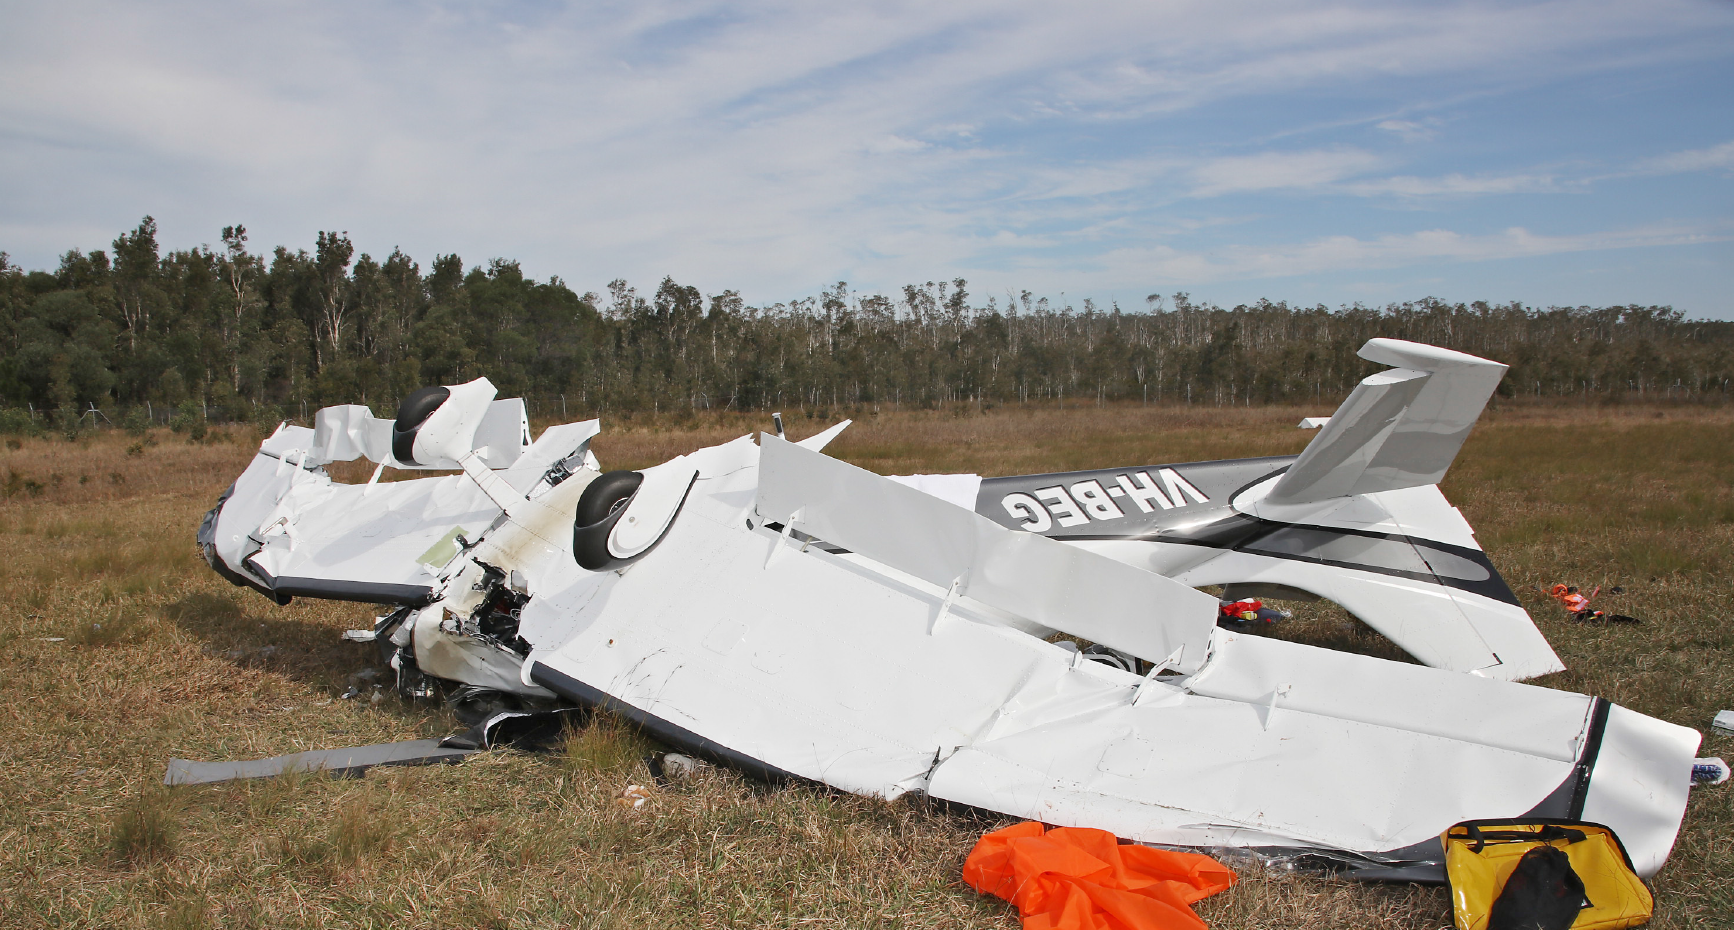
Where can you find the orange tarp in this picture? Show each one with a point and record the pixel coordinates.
(1073, 878)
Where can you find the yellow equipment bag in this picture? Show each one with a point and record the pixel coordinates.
(1591, 887)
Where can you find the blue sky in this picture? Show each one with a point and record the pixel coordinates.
(1567, 152)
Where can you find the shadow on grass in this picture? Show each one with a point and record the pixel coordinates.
(1324, 624)
(301, 649)
(1350, 636)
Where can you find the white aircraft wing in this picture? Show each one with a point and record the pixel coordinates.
(876, 671)
(287, 529)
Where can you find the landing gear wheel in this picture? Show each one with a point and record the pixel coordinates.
(601, 504)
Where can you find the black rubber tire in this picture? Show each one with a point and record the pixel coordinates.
(411, 414)
(604, 494)
(598, 508)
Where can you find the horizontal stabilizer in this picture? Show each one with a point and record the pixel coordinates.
(1400, 428)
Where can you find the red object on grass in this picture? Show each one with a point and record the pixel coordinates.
(1243, 609)
(1075, 878)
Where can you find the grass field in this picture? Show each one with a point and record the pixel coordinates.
(153, 656)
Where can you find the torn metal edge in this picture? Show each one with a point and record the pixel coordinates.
(348, 761)
(366, 592)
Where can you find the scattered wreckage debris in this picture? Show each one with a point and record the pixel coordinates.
(350, 761)
(1035, 646)
(1711, 771)
(672, 767)
(523, 730)
(1248, 613)
(1578, 605)
(520, 729)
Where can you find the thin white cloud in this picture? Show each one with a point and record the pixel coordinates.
(1712, 158)
(1459, 185)
(1211, 51)
(893, 144)
(1277, 170)
(1425, 130)
(1167, 265)
(756, 145)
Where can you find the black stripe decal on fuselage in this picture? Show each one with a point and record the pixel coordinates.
(1189, 505)
(1302, 543)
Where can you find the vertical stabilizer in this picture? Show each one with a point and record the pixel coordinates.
(1400, 428)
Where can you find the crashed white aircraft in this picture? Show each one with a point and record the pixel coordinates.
(778, 610)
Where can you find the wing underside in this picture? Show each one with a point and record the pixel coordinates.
(287, 528)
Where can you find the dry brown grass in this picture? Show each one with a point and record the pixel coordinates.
(158, 658)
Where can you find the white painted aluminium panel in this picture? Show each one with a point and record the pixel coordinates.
(346, 532)
(1640, 783)
(1205, 771)
(1535, 721)
(1444, 627)
(824, 668)
(1056, 585)
(814, 664)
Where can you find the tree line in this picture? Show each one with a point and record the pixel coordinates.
(260, 336)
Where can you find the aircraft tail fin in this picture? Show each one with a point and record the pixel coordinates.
(1400, 428)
